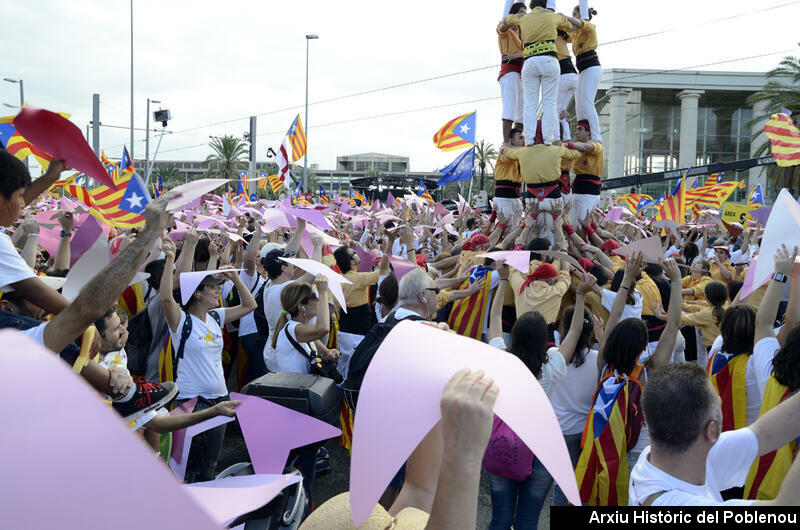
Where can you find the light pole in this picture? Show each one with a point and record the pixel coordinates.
(305, 156)
(147, 138)
(21, 99)
(131, 144)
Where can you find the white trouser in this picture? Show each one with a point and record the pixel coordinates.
(511, 210)
(567, 84)
(581, 206)
(511, 94)
(588, 80)
(540, 72)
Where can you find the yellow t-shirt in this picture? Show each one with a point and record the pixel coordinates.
(539, 25)
(509, 40)
(561, 45)
(357, 292)
(716, 275)
(507, 169)
(590, 163)
(584, 39)
(650, 294)
(540, 163)
(699, 287)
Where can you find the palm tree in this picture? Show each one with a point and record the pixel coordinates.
(484, 154)
(774, 95)
(170, 176)
(227, 158)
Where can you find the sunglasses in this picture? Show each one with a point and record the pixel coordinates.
(434, 289)
(309, 298)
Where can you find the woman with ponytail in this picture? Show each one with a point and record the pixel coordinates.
(572, 395)
(304, 320)
(584, 46)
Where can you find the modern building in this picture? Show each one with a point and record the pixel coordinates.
(372, 162)
(655, 120)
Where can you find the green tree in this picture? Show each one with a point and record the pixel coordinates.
(228, 156)
(484, 155)
(776, 94)
(170, 176)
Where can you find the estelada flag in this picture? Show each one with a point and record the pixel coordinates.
(785, 139)
(457, 133)
(727, 373)
(468, 314)
(612, 429)
(767, 473)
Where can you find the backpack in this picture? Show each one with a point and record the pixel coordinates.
(259, 315)
(363, 355)
(507, 455)
(140, 335)
(186, 332)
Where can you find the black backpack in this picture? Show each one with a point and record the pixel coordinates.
(363, 355)
(140, 336)
(259, 315)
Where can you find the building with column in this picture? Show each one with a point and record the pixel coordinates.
(652, 120)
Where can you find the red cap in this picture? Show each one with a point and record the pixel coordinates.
(609, 245)
(586, 263)
(544, 271)
(478, 239)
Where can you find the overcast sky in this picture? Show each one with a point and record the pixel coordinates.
(211, 62)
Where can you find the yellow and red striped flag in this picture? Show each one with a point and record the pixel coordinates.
(674, 207)
(612, 429)
(715, 195)
(297, 139)
(785, 139)
(468, 314)
(104, 203)
(633, 200)
(727, 375)
(275, 182)
(767, 473)
(457, 133)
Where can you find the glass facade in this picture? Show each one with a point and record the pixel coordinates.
(653, 125)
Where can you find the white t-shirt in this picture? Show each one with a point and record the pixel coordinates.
(572, 396)
(726, 467)
(761, 360)
(115, 358)
(761, 366)
(247, 324)
(287, 358)
(13, 268)
(200, 370)
(272, 310)
(36, 333)
(629, 311)
(552, 371)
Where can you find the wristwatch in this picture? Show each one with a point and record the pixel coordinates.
(65, 234)
(780, 277)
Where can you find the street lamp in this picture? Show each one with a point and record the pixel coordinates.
(21, 99)
(147, 138)
(305, 156)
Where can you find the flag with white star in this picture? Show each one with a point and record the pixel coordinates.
(135, 197)
(457, 133)
(459, 169)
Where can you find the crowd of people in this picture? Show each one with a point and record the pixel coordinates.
(670, 387)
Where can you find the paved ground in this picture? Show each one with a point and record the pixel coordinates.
(337, 481)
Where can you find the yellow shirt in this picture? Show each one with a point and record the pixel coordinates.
(466, 260)
(705, 321)
(590, 163)
(618, 262)
(539, 24)
(509, 40)
(595, 305)
(540, 163)
(699, 287)
(561, 46)
(357, 293)
(507, 169)
(716, 275)
(650, 294)
(584, 39)
(739, 276)
(538, 295)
